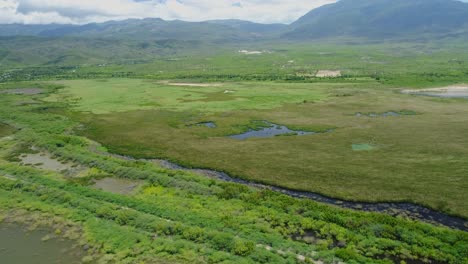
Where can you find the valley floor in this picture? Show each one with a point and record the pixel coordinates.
(360, 141)
(120, 210)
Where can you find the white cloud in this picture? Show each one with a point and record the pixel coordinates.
(86, 11)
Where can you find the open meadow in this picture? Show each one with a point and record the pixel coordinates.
(234, 132)
(371, 142)
(201, 157)
(121, 210)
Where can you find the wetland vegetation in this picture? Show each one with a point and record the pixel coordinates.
(177, 216)
(152, 141)
(417, 160)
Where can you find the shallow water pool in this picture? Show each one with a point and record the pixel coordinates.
(18, 246)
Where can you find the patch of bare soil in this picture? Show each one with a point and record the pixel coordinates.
(118, 186)
(327, 73)
(192, 84)
(251, 52)
(23, 91)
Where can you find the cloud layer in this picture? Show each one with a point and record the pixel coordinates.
(86, 11)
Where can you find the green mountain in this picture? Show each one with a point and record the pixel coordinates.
(152, 29)
(376, 19)
(136, 41)
(27, 30)
(251, 27)
(383, 19)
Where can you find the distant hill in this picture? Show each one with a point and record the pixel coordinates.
(251, 27)
(135, 41)
(382, 19)
(27, 30)
(152, 29)
(375, 19)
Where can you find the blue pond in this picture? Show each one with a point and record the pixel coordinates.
(272, 131)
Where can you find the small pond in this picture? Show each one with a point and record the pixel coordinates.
(118, 186)
(363, 147)
(272, 130)
(22, 247)
(206, 124)
(44, 161)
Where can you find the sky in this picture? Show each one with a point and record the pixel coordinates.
(87, 11)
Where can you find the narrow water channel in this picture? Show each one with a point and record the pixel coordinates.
(408, 210)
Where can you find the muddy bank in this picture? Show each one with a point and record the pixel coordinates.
(408, 210)
(455, 91)
(23, 91)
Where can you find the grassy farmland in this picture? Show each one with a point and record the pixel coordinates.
(418, 155)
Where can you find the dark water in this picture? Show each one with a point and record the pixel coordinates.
(18, 246)
(207, 124)
(272, 131)
(409, 210)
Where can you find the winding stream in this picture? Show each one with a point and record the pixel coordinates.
(409, 210)
(403, 209)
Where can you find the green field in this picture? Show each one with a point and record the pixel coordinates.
(123, 95)
(337, 138)
(396, 63)
(419, 156)
(179, 217)
(373, 143)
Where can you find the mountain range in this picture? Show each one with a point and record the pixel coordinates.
(373, 19)
(382, 19)
(141, 40)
